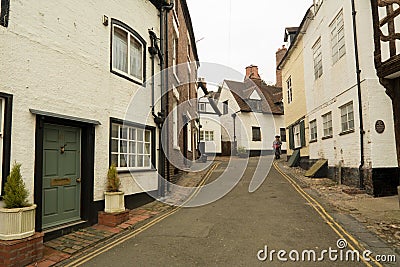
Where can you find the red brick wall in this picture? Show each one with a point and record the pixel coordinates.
(187, 87)
(21, 252)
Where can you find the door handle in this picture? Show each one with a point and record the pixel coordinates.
(78, 180)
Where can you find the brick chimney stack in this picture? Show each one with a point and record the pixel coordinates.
(252, 72)
(279, 56)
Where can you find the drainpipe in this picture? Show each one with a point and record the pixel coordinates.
(154, 50)
(164, 102)
(362, 132)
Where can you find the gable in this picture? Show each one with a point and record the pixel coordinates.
(255, 96)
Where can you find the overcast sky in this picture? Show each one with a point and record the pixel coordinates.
(239, 33)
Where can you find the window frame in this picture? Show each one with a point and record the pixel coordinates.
(152, 142)
(317, 59)
(347, 122)
(327, 125)
(202, 104)
(130, 33)
(337, 35)
(313, 130)
(289, 90)
(253, 136)
(282, 133)
(5, 156)
(296, 133)
(225, 107)
(207, 136)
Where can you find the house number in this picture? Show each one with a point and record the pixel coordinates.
(379, 126)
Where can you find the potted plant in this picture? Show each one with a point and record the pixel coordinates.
(17, 218)
(114, 198)
(242, 153)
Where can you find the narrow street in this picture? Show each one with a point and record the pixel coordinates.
(232, 230)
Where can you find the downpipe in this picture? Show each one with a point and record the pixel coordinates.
(360, 111)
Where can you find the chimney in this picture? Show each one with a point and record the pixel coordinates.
(279, 56)
(252, 72)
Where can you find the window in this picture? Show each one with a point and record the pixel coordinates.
(347, 117)
(337, 37)
(206, 135)
(128, 52)
(283, 134)
(5, 137)
(317, 56)
(4, 10)
(313, 130)
(202, 107)
(255, 105)
(327, 124)
(256, 133)
(175, 55)
(225, 107)
(289, 90)
(131, 147)
(175, 124)
(297, 137)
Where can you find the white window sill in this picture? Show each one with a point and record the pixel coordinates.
(177, 148)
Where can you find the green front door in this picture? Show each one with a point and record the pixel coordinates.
(61, 175)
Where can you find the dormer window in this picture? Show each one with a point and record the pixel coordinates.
(254, 104)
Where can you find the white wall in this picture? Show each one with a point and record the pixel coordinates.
(269, 124)
(338, 86)
(56, 57)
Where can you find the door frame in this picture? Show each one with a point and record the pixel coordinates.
(88, 209)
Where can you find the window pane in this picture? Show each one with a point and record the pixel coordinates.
(124, 133)
(124, 146)
(140, 135)
(120, 50)
(140, 148)
(132, 160)
(114, 130)
(147, 161)
(351, 124)
(114, 145)
(132, 147)
(147, 149)
(140, 161)
(114, 159)
(147, 136)
(122, 160)
(132, 134)
(136, 58)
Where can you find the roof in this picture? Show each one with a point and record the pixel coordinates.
(290, 30)
(299, 32)
(271, 95)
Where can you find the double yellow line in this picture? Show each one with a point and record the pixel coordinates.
(337, 228)
(87, 257)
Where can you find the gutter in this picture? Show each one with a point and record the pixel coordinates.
(360, 113)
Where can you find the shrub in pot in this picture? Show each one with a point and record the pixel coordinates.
(242, 153)
(114, 198)
(17, 218)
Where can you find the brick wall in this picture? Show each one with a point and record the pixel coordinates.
(21, 252)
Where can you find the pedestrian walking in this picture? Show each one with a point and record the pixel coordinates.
(277, 147)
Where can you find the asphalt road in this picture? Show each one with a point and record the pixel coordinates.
(233, 230)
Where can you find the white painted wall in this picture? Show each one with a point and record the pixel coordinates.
(56, 57)
(269, 124)
(338, 86)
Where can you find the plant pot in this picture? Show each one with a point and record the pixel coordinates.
(17, 223)
(114, 202)
(243, 155)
